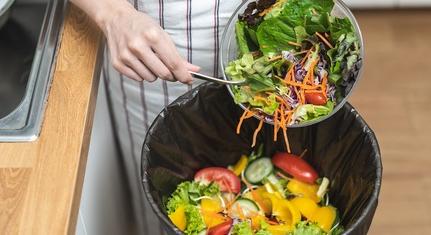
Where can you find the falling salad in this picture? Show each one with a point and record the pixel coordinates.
(256, 196)
(298, 59)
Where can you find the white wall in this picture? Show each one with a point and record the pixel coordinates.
(105, 207)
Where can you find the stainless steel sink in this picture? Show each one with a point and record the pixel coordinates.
(28, 45)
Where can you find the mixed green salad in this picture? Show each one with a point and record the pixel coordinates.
(282, 195)
(298, 59)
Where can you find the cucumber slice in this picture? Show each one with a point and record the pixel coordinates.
(258, 169)
(272, 179)
(203, 232)
(244, 207)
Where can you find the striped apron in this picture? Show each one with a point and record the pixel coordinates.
(196, 27)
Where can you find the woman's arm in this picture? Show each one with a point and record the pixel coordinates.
(139, 47)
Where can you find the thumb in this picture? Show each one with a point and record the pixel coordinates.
(192, 67)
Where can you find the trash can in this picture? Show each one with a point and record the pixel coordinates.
(198, 130)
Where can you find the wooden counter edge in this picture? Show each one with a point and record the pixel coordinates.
(42, 181)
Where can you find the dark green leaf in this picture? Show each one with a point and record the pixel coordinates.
(241, 38)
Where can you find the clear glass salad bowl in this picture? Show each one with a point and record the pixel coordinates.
(229, 52)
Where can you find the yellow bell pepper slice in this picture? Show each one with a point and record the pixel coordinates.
(178, 217)
(212, 219)
(240, 165)
(283, 210)
(211, 205)
(281, 229)
(324, 217)
(303, 189)
(306, 206)
(256, 221)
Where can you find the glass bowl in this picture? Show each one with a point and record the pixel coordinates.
(229, 52)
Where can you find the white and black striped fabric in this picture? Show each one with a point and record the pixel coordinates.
(196, 27)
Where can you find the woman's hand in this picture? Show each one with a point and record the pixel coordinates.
(139, 47)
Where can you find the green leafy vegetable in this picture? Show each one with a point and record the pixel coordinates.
(186, 191)
(195, 222)
(338, 27)
(263, 232)
(343, 56)
(307, 228)
(239, 69)
(274, 36)
(263, 229)
(317, 23)
(276, 10)
(241, 37)
(309, 112)
(242, 228)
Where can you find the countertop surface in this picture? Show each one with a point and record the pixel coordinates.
(41, 181)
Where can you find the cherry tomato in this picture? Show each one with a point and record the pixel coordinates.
(316, 98)
(296, 167)
(225, 178)
(221, 229)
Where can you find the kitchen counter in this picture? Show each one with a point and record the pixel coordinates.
(41, 181)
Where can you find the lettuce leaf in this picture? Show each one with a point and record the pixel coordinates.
(309, 112)
(307, 228)
(274, 36)
(343, 57)
(241, 37)
(242, 228)
(195, 222)
(188, 190)
(295, 22)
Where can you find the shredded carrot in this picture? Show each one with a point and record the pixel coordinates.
(306, 56)
(303, 153)
(281, 100)
(238, 127)
(289, 117)
(297, 93)
(302, 97)
(275, 125)
(286, 139)
(294, 44)
(324, 40)
(290, 75)
(313, 91)
(305, 87)
(249, 115)
(310, 73)
(256, 132)
(325, 84)
(246, 115)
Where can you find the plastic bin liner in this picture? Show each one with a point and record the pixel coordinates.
(198, 130)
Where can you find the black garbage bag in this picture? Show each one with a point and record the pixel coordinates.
(198, 130)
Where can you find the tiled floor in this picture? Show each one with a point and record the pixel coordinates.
(394, 96)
